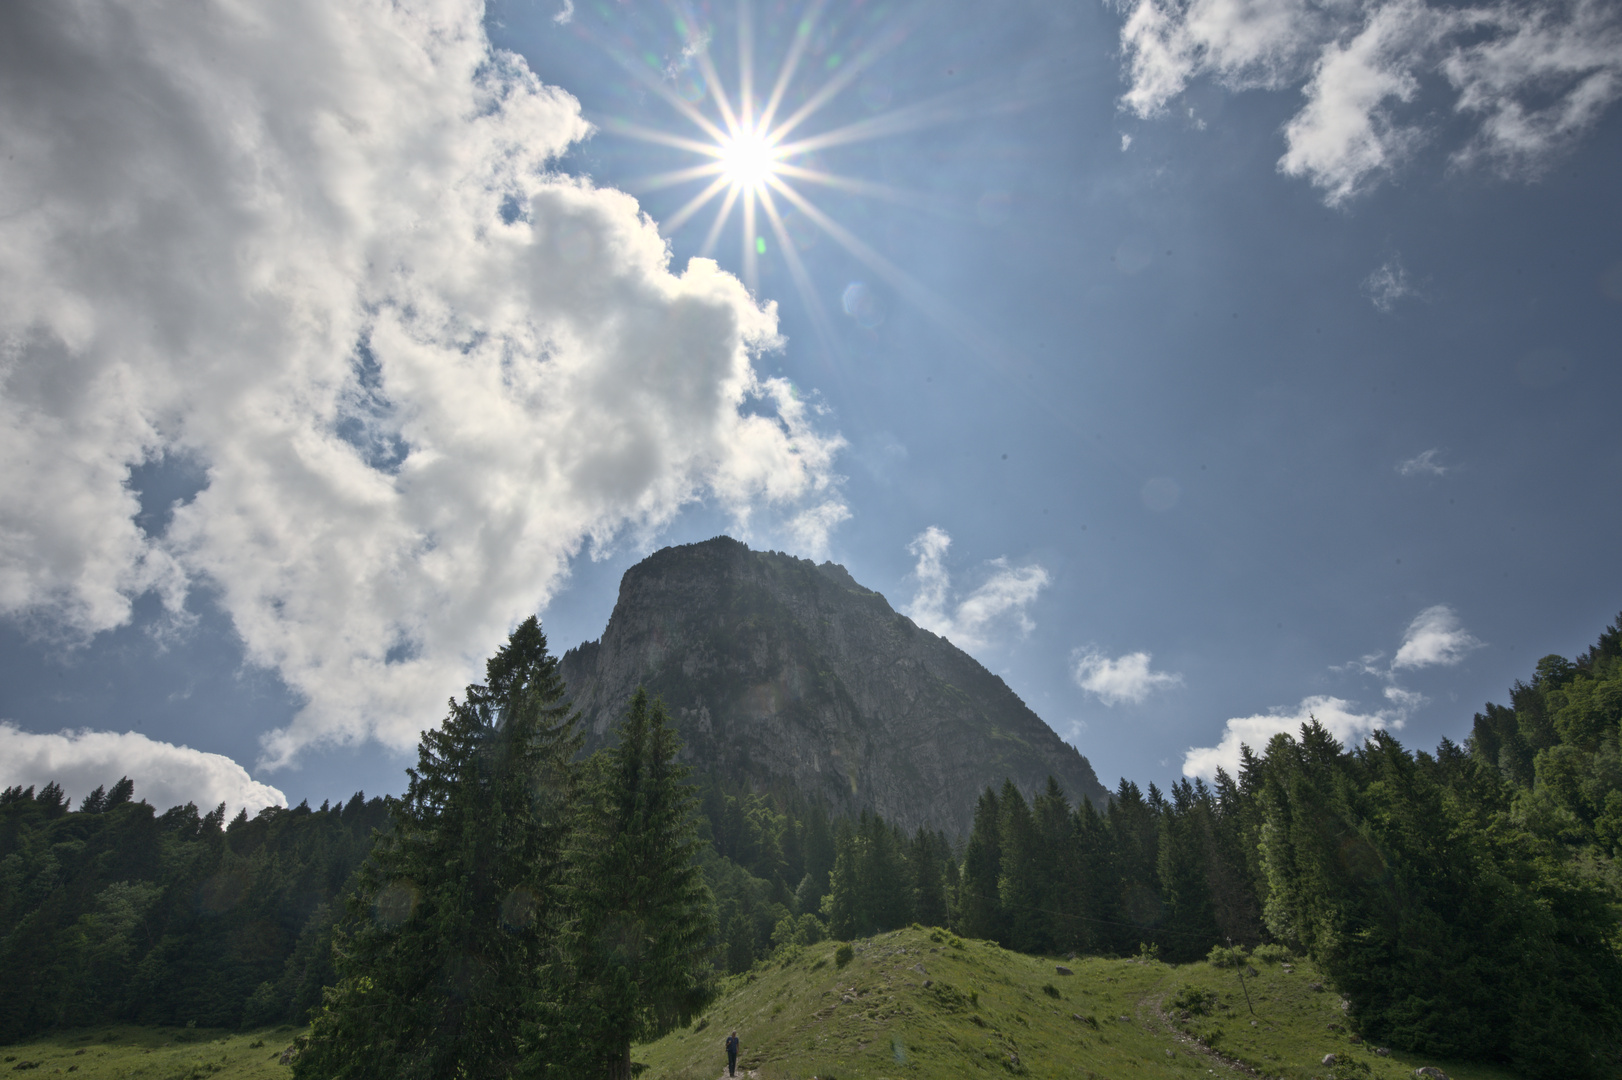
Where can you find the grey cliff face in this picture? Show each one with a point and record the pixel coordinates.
(781, 672)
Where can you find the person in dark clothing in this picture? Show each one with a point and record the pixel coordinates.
(732, 1054)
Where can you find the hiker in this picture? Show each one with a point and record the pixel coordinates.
(732, 1054)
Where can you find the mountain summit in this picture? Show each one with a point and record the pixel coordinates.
(781, 672)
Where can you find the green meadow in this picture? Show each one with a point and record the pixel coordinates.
(152, 1053)
(918, 1003)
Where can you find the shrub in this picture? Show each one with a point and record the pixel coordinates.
(1050, 990)
(1194, 1000)
(844, 955)
(1224, 957)
(1272, 954)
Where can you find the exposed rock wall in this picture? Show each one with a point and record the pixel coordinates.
(783, 672)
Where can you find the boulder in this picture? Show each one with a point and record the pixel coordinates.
(1429, 1072)
(1062, 970)
(1329, 1060)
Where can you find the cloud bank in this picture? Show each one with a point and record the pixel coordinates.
(971, 621)
(1529, 78)
(1127, 678)
(317, 249)
(1338, 715)
(165, 774)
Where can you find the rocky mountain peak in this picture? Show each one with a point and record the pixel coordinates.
(781, 672)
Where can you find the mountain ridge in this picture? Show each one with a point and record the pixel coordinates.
(778, 670)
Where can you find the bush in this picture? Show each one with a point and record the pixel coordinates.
(1272, 954)
(1193, 1000)
(844, 955)
(1050, 990)
(1224, 957)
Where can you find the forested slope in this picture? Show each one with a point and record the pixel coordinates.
(115, 912)
(1465, 902)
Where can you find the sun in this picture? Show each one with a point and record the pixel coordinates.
(748, 159)
(756, 161)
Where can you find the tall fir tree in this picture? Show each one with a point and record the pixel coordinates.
(437, 953)
(979, 906)
(635, 957)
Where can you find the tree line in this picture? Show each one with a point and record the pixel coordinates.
(115, 911)
(525, 911)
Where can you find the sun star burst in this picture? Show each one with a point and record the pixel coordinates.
(751, 158)
(748, 159)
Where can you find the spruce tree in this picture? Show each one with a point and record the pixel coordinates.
(634, 962)
(444, 932)
(1024, 869)
(979, 906)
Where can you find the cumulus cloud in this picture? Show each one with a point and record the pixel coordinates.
(319, 249)
(1126, 678)
(1337, 715)
(167, 775)
(565, 14)
(1531, 76)
(1434, 638)
(970, 621)
(1424, 464)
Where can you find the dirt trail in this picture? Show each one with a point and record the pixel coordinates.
(1152, 1015)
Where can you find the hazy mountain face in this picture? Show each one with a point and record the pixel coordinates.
(782, 672)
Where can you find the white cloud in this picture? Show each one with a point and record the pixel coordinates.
(165, 774)
(811, 528)
(1434, 638)
(1388, 283)
(1405, 700)
(1424, 464)
(1001, 600)
(565, 15)
(1535, 75)
(1335, 714)
(316, 248)
(1126, 678)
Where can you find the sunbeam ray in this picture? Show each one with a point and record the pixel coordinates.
(791, 62)
(751, 256)
(714, 235)
(659, 181)
(820, 319)
(847, 75)
(898, 279)
(854, 186)
(663, 138)
(694, 205)
(746, 65)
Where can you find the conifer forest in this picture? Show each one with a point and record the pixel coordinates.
(527, 910)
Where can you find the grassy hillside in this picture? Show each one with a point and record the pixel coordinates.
(985, 1013)
(924, 1004)
(152, 1053)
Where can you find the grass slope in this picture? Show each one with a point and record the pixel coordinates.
(918, 1003)
(149, 1053)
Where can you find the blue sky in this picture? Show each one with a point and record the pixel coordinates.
(1196, 366)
